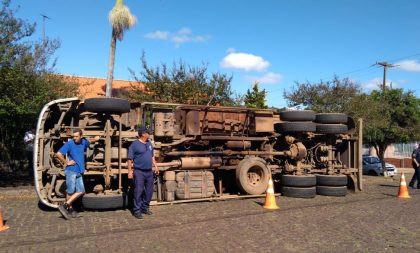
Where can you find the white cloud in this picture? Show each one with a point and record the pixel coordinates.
(230, 50)
(409, 65)
(268, 78)
(157, 35)
(373, 84)
(179, 37)
(244, 61)
(376, 84)
(185, 30)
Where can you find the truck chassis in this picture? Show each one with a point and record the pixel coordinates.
(203, 152)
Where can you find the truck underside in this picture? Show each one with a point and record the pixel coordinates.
(203, 152)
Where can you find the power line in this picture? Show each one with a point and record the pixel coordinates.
(366, 68)
(406, 57)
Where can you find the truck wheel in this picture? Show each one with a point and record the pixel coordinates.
(331, 128)
(293, 127)
(331, 118)
(107, 105)
(330, 180)
(252, 176)
(336, 191)
(101, 201)
(299, 181)
(298, 192)
(297, 115)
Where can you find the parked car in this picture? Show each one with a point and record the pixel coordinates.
(372, 166)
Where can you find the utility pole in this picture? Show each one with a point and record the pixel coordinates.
(43, 26)
(385, 65)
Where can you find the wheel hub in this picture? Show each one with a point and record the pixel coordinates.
(254, 176)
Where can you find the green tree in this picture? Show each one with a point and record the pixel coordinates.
(121, 19)
(390, 116)
(255, 98)
(329, 96)
(26, 80)
(182, 84)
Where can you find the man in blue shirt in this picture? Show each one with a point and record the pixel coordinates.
(416, 166)
(75, 167)
(141, 166)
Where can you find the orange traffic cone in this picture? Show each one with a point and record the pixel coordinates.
(270, 199)
(403, 192)
(2, 226)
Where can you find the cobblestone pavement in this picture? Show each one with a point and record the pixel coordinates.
(371, 221)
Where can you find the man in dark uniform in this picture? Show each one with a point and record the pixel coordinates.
(141, 166)
(416, 166)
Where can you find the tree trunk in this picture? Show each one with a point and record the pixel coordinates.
(110, 78)
(381, 155)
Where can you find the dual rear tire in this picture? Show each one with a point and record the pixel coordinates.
(296, 121)
(298, 186)
(331, 185)
(308, 186)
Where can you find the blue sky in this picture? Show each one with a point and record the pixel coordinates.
(275, 42)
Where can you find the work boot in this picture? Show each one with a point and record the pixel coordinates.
(138, 215)
(73, 213)
(147, 212)
(63, 210)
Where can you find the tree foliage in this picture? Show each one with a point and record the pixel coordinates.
(389, 116)
(26, 80)
(325, 96)
(182, 84)
(255, 98)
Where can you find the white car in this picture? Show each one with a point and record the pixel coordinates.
(372, 166)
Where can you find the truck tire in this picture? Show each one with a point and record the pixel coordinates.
(102, 202)
(331, 128)
(297, 115)
(297, 126)
(298, 181)
(252, 176)
(298, 192)
(331, 180)
(336, 191)
(331, 118)
(107, 105)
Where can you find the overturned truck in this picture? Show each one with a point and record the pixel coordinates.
(203, 152)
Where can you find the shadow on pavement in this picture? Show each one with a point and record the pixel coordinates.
(389, 185)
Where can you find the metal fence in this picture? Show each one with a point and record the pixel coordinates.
(400, 150)
(404, 149)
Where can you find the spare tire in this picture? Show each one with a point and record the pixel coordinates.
(331, 180)
(331, 128)
(297, 115)
(331, 118)
(298, 192)
(102, 201)
(298, 181)
(336, 191)
(107, 105)
(294, 127)
(252, 176)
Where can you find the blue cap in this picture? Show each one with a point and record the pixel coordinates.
(142, 130)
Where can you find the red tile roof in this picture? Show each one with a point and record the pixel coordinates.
(95, 87)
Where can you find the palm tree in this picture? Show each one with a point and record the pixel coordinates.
(121, 19)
